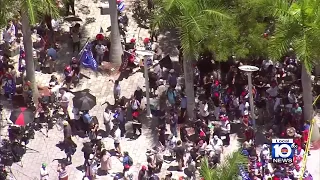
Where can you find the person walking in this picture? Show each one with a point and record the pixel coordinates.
(69, 149)
(180, 152)
(44, 174)
(136, 125)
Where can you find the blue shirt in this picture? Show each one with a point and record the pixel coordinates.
(87, 118)
(125, 160)
(52, 53)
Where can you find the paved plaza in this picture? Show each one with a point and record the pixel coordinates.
(101, 87)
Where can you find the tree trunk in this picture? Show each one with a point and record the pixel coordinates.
(189, 85)
(27, 43)
(116, 51)
(307, 101)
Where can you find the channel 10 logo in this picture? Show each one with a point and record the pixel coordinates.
(283, 150)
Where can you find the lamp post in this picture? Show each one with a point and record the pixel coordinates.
(249, 69)
(146, 54)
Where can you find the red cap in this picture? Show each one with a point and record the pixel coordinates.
(143, 168)
(126, 166)
(133, 40)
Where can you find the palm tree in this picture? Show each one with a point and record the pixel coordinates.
(297, 29)
(115, 48)
(226, 170)
(193, 19)
(29, 11)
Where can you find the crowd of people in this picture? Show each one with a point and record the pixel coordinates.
(222, 102)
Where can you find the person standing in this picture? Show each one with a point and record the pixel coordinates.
(106, 163)
(107, 118)
(52, 57)
(76, 36)
(183, 108)
(63, 174)
(136, 125)
(69, 149)
(138, 94)
(87, 150)
(174, 123)
(180, 152)
(142, 175)
(44, 174)
(100, 49)
(116, 90)
(75, 67)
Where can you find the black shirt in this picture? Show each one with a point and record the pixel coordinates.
(179, 150)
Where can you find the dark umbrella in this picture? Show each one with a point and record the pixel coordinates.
(22, 116)
(84, 101)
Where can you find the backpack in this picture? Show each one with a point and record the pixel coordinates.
(130, 161)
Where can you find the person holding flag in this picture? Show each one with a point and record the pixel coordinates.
(87, 59)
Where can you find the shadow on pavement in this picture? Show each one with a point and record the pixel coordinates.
(141, 14)
(168, 42)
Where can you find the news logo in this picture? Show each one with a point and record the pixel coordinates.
(283, 150)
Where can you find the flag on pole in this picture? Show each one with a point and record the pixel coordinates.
(121, 6)
(87, 59)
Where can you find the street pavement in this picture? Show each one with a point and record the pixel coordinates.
(101, 87)
(43, 149)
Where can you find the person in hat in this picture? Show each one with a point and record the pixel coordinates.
(44, 174)
(142, 175)
(100, 49)
(136, 123)
(68, 73)
(226, 128)
(75, 67)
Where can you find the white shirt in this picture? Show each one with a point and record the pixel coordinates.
(243, 106)
(204, 110)
(100, 49)
(44, 175)
(225, 126)
(273, 92)
(64, 100)
(107, 117)
(217, 144)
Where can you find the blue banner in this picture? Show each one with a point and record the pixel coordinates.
(87, 59)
